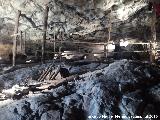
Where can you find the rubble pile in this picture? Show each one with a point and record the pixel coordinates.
(123, 88)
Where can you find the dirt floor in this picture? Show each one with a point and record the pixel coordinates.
(93, 91)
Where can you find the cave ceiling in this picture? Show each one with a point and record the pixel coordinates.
(89, 19)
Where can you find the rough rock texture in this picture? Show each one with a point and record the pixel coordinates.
(124, 87)
(86, 19)
(21, 76)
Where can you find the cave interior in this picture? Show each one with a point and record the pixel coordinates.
(79, 59)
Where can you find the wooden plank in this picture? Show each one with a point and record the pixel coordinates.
(46, 72)
(56, 83)
(56, 73)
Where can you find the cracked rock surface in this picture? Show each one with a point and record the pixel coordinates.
(123, 87)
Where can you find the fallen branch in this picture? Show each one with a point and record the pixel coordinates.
(58, 83)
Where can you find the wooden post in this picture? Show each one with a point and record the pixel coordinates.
(60, 48)
(93, 4)
(54, 43)
(150, 52)
(105, 50)
(109, 38)
(109, 34)
(45, 32)
(14, 50)
(21, 42)
(153, 40)
(24, 43)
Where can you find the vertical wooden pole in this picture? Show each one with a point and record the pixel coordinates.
(24, 43)
(93, 5)
(154, 36)
(45, 32)
(105, 50)
(21, 42)
(150, 52)
(153, 40)
(54, 43)
(109, 33)
(60, 48)
(109, 38)
(14, 50)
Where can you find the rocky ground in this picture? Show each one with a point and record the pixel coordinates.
(124, 87)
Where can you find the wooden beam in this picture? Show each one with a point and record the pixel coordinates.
(55, 73)
(54, 42)
(153, 40)
(21, 42)
(99, 43)
(24, 43)
(45, 73)
(45, 33)
(109, 33)
(14, 50)
(57, 83)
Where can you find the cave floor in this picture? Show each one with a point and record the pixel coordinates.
(124, 87)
